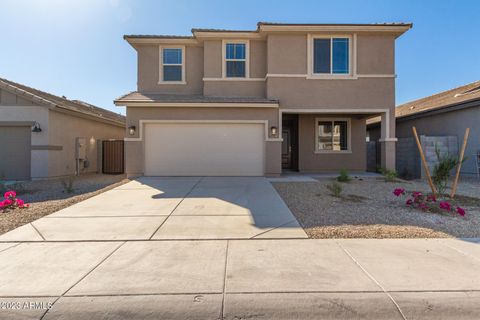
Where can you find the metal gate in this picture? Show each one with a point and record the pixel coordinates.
(113, 157)
(373, 156)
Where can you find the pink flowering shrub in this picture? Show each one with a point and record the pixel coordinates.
(428, 203)
(11, 201)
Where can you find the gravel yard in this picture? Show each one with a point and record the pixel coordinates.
(368, 209)
(48, 196)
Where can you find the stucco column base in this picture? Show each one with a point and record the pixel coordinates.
(273, 158)
(134, 159)
(387, 153)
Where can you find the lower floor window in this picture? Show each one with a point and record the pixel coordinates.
(332, 135)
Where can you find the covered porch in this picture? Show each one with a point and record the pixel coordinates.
(329, 140)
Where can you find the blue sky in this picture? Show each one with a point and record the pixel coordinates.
(76, 49)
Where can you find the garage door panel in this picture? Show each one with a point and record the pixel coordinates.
(181, 149)
(15, 155)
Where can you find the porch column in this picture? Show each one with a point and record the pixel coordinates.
(388, 140)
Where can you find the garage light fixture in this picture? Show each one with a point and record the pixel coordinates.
(36, 127)
(131, 130)
(273, 131)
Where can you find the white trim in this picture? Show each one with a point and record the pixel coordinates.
(354, 58)
(146, 104)
(349, 135)
(160, 73)
(234, 79)
(352, 51)
(285, 75)
(247, 58)
(143, 122)
(348, 111)
(293, 75)
(332, 77)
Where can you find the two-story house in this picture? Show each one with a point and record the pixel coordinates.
(249, 103)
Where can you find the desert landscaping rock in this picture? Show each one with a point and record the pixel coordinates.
(368, 209)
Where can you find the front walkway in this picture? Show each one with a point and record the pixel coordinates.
(171, 208)
(241, 279)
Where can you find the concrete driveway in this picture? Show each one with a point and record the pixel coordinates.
(171, 208)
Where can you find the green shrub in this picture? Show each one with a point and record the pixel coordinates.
(389, 175)
(442, 170)
(67, 184)
(335, 188)
(343, 177)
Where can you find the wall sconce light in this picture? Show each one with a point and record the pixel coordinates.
(36, 127)
(131, 130)
(273, 131)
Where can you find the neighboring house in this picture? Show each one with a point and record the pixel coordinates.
(446, 114)
(45, 136)
(281, 97)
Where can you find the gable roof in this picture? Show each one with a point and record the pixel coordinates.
(54, 101)
(436, 102)
(440, 100)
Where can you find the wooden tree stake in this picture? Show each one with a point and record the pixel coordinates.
(460, 160)
(424, 162)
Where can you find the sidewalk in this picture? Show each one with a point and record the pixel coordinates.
(242, 279)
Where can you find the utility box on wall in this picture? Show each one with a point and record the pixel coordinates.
(80, 154)
(80, 148)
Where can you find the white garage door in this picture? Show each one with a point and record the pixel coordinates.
(204, 149)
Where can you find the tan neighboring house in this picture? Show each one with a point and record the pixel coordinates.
(46, 136)
(445, 114)
(252, 103)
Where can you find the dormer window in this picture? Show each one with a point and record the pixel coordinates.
(235, 59)
(172, 68)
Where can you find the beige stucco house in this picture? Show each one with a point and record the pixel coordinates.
(46, 136)
(281, 97)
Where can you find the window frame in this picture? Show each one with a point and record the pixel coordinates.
(224, 58)
(332, 120)
(160, 80)
(351, 57)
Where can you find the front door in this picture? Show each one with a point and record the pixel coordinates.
(290, 142)
(286, 148)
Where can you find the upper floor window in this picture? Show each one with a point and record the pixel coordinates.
(235, 59)
(331, 55)
(173, 64)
